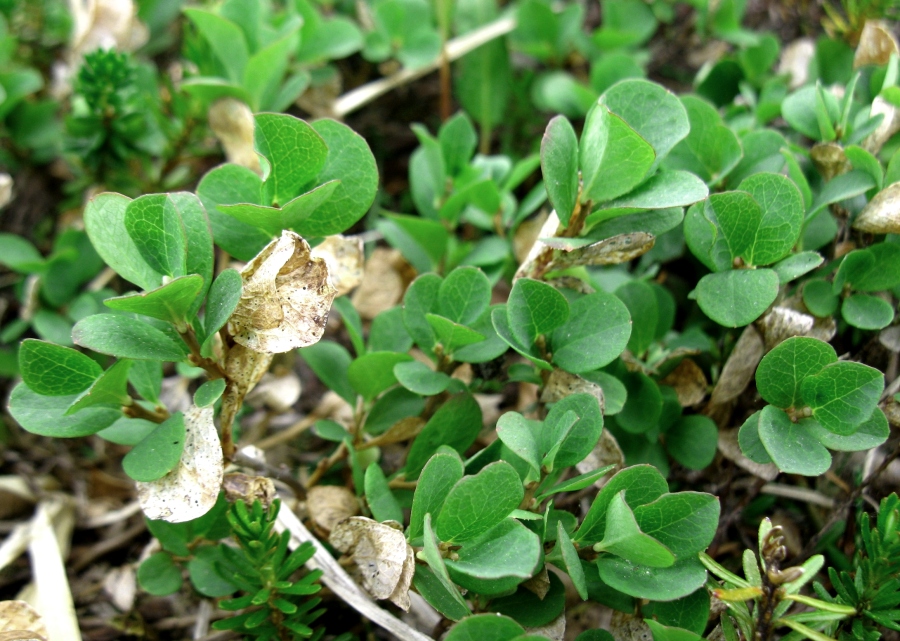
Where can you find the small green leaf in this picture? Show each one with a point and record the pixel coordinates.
(500, 321)
(873, 432)
(224, 296)
(209, 392)
(873, 269)
(563, 444)
(483, 627)
(624, 538)
(450, 335)
(125, 337)
(159, 575)
(597, 331)
(53, 370)
(559, 164)
(20, 255)
(866, 311)
(790, 445)
(534, 309)
(796, 265)
(419, 378)
(373, 373)
(157, 232)
(158, 453)
(661, 632)
(478, 503)
(783, 370)
(464, 295)
(458, 141)
(576, 482)
(614, 158)
(381, 500)
(204, 572)
(737, 297)
(498, 560)
(519, 435)
(692, 441)
(530, 610)
(751, 445)
(331, 363)
(420, 299)
(663, 190)
(642, 484)
(456, 424)
(291, 215)
(643, 406)
(225, 38)
(127, 431)
(110, 390)
(571, 560)
(843, 395)
(819, 298)
(171, 302)
(778, 228)
(640, 300)
(441, 473)
(297, 153)
(230, 184)
(685, 522)
(657, 584)
(46, 415)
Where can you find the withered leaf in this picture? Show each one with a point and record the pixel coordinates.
(246, 367)
(876, 44)
(555, 630)
(740, 366)
(384, 280)
(829, 159)
(330, 504)
(232, 122)
(882, 214)
(20, 622)
(689, 382)
(278, 393)
(731, 449)
(781, 323)
(190, 490)
(246, 488)
(795, 59)
(610, 251)
(344, 255)
(384, 560)
(285, 300)
(561, 384)
(606, 452)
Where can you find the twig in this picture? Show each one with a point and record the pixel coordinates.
(455, 49)
(334, 576)
(287, 434)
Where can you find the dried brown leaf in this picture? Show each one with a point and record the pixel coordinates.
(570, 282)
(689, 382)
(400, 595)
(876, 44)
(740, 366)
(890, 124)
(20, 622)
(344, 255)
(731, 449)
(610, 251)
(882, 214)
(380, 552)
(232, 122)
(245, 367)
(403, 430)
(561, 384)
(628, 627)
(539, 584)
(190, 490)
(329, 504)
(285, 299)
(120, 585)
(830, 160)
(246, 488)
(6, 189)
(384, 280)
(606, 452)
(781, 323)
(555, 630)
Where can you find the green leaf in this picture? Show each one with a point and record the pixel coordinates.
(782, 371)
(388, 332)
(351, 161)
(373, 373)
(158, 453)
(692, 441)
(643, 405)
(642, 484)
(478, 503)
(458, 141)
(381, 500)
(518, 434)
(498, 560)
(751, 445)
(614, 392)
(456, 424)
(146, 378)
(576, 482)
(778, 228)
(711, 150)
(559, 165)
(110, 390)
(487, 350)
(797, 265)
(127, 431)
(790, 445)
(873, 432)
(225, 38)
(297, 153)
(563, 445)
(867, 312)
(421, 298)
(224, 296)
(597, 331)
(291, 215)
(156, 230)
(624, 538)
(657, 584)
(172, 302)
(441, 473)
(685, 522)
(419, 378)
(819, 298)
(853, 183)
(125, 337)
(530, 610)
(653, 111)
(45, 415)
(614, 158)
(737, 297)
(20, 255)
(869, 270)
(689, 613)
(204, 572)
(159, 575)
(665, 189)
(500, 321)
(534, 309)
(209, 392)
(640, 300)
(464, 295)
(571, 561)
(228, 185)
(483, 627)
(331, 363)
(104, 220)
(661, 632)
(265, 70)
(843, 395)
(53, 370)
(450, 335)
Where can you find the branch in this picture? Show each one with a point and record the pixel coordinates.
(336, 578)
(455, 49)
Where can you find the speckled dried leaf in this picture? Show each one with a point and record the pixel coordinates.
(245, 367)
(781, 323)
(345, 258)
(627, 627)
(876, 44)
(882, 214)
(190, 490)
(610, 251)
(740, 366)
(384, 280)
(328, 505)
(382, 556)
(689, 382)
(246, 488)
(561, 384)
(829, 159)
(20, 622)
(285, 300)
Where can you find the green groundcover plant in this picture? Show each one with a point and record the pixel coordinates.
(652, 276)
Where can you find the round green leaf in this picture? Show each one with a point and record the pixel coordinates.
(295, 149)
(643, 406)
(791, 446)
(171, 302)
(656, 584)
(872, 433)
(737, 297)
(127, 431)
(535, 308)
(624, 538)
(525, 607)
(373, 373)
(485, 627)
(478, 503)
(46, 415)
(578, 441)
(748, 438)
(160, 575)
(559, 165)
(419, 378)
(867, 312)
(783, 370)
(819, 299)
(209, 392)
(204, 574)
(464, 295)
(597, 331)
(843, 395)
(158, 453)
(641, 301)
(498, 560)
(782, 210)
(126, 337)
(54, 370)
(692, 441)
